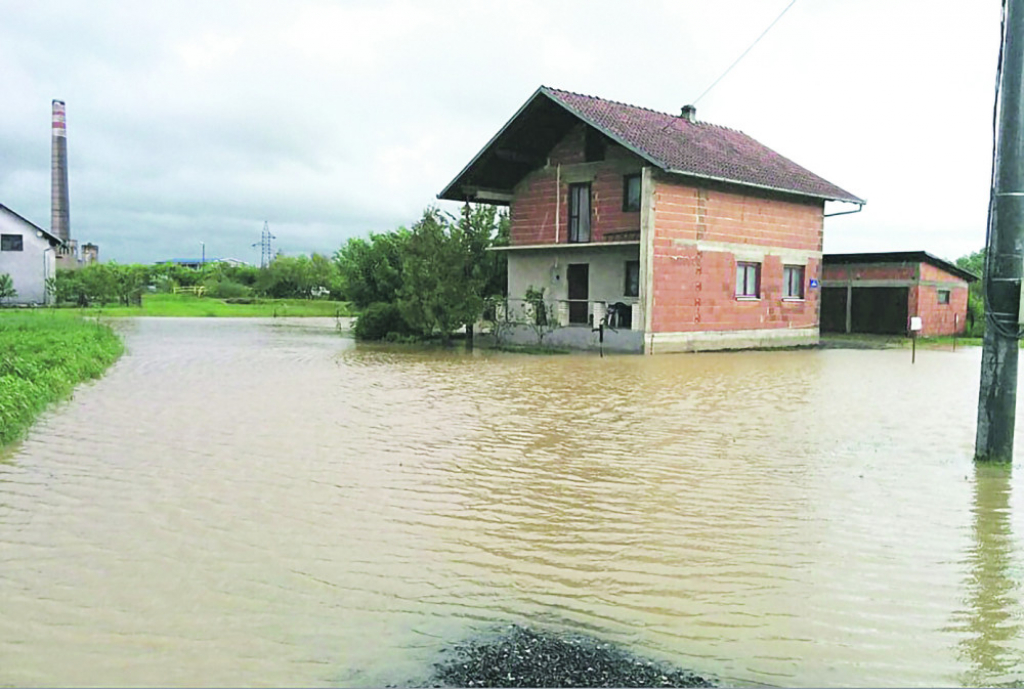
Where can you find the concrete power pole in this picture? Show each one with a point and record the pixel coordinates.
(1004, 252)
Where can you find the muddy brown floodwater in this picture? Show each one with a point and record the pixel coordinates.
(265, 502)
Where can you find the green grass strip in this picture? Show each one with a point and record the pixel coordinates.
(43, 356)
(186, 305)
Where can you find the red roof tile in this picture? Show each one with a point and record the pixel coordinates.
(700, 149)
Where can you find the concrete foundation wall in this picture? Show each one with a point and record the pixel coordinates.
(577, 337)
(662, 343)
(30, 267)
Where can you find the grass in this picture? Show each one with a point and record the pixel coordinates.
(185, 305)
(43, 355)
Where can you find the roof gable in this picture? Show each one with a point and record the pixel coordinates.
(671, 143)
(899, 257)
(42, 233)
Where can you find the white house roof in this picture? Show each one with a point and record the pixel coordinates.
(42, 233)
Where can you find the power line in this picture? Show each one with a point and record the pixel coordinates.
(745, 52)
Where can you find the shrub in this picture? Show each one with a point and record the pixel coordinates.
(381, 321)
(226, 289)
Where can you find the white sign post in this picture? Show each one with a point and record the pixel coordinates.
(916, 326)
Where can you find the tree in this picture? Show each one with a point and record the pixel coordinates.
(975, 263)
(371, 270)
(7, 290)
(441, 289)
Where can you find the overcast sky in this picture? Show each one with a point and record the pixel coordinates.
(195, 122)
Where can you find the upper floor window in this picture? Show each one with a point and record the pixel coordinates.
(579, 212)
(11, 242)
(630, 193)
(748, 280)
(943, 296)
(792, 282)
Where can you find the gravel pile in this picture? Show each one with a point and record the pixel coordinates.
(521, 657)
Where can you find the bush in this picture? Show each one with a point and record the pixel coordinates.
(381, 321)
(226, 289)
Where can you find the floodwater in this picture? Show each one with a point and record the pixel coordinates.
(265, 502)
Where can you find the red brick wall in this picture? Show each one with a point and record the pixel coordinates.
(940, 319)
(533, 208)
(695, 290)
(873, 271)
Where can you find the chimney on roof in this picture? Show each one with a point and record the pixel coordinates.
(689, 113)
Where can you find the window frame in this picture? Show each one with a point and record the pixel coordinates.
(6, 241)
(574, 235)
(948, 294)
(625, 287)
(741, 286)
(626, 180)
(788, 270)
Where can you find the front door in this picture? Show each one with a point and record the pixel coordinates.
(578, 277)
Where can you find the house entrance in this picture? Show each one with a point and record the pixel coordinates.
(578, 279)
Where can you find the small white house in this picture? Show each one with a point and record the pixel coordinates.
(28, 255)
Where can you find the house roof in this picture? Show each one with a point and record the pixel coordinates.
(44, 233)
(670, 142)
(899, 257)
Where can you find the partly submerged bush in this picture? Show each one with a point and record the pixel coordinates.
(381, 321)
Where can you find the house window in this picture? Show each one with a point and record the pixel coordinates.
(630, 193)
(10, 242)
(943, 296)
(748, 280)
(632, 279)
(793, 282)
(579, 212)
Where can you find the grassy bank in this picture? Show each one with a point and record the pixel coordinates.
(43, 355)
(185, 305)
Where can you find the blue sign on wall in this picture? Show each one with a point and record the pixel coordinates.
(814, 283)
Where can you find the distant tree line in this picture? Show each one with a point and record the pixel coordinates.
(301, 277)
(975, 263)
(427, 281)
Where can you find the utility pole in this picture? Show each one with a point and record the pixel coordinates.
(1004, 252)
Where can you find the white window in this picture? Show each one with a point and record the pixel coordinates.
(793, 282)
(748, 280)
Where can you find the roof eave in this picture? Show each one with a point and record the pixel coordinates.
(444, 192)
(45, 233)
(824, 197)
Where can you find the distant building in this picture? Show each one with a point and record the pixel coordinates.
(28, 254)
(197, 263)
(880, 292)
(90, 254)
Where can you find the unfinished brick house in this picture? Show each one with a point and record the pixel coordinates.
(679, 234)
(879, 292)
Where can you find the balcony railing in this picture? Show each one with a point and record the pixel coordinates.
(566, 313)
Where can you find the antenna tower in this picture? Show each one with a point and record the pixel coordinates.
(264, 244)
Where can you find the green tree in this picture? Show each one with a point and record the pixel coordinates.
(441, 288)
(7, 290)
(370, 270)
(975, 263)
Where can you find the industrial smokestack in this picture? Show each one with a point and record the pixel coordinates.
(60, 216)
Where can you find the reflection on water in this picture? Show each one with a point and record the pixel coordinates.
(992, 620)
(253, 502)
